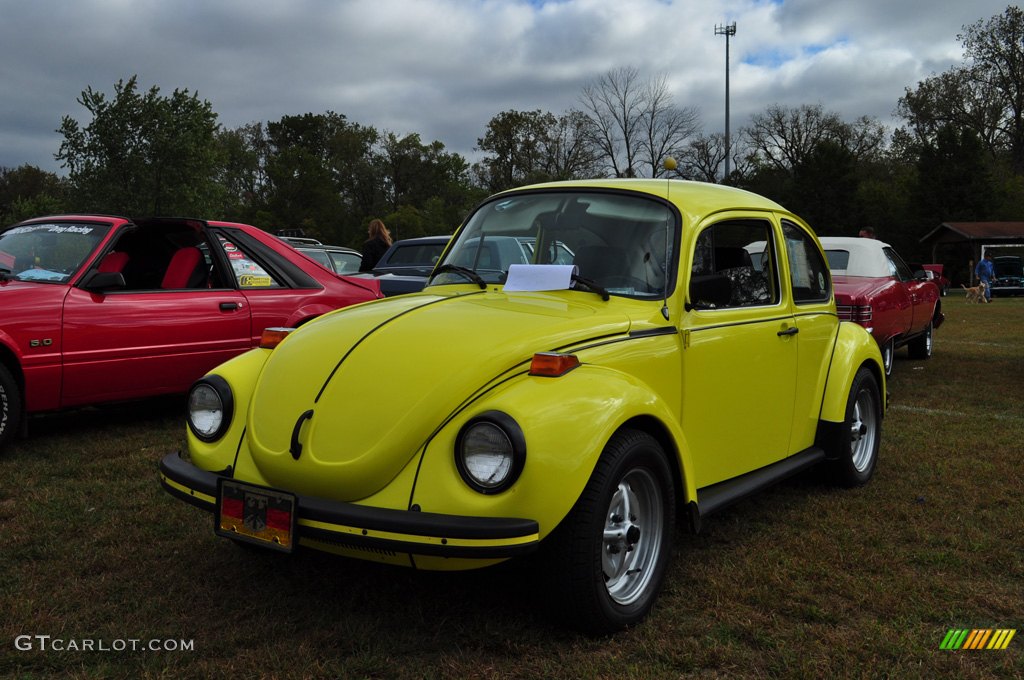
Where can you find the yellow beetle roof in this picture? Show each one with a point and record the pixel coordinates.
(692, 198)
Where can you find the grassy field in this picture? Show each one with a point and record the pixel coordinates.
(804, 581)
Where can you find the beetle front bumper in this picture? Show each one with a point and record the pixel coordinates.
(360, 526)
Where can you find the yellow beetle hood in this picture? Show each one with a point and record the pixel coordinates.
(344, 404)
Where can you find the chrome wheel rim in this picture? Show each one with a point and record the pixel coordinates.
(632, 536)
(887, 353)
(863, 430)
(928, 342)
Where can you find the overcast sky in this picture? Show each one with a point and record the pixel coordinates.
(444, 68)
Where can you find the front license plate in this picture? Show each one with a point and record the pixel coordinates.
(255, 514)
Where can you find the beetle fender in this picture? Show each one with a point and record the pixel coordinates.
(566, 421)
(854, 348)
(241, 373)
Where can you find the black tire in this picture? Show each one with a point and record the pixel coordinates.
(921, 346)
(861, 432)
(10, 406)
(609, 555)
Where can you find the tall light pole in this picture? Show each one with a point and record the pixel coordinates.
(726, 30)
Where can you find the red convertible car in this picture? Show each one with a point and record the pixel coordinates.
(875, 288)
(99, 309)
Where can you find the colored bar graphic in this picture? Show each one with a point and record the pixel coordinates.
(978, 638)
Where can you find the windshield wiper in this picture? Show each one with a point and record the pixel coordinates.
(456, 269)
(591, 285)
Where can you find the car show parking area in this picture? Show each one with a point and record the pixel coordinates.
(801, 579)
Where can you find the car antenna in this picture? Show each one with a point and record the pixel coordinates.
(670, 165)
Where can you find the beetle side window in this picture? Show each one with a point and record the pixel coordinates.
(734, 266)
(808, 271)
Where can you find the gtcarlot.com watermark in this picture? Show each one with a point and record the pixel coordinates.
(51, 643)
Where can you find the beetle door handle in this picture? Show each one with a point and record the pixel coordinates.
(229, 306)
(792, 330)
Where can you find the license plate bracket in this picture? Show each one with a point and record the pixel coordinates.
(255, 514)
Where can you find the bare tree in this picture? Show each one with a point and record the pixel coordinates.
(784, 136)
(569, 152)
(613, 105)
(633, 123)
(665, 127)
(703, 157)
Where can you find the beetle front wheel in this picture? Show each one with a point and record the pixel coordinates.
(612, 550)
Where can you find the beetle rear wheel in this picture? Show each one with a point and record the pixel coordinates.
(861, 432)
(612, 550)
(10, 406)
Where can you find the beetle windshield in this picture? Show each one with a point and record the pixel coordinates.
(50, 252)
(621, 242)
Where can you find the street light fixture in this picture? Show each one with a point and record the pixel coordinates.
(727, 30)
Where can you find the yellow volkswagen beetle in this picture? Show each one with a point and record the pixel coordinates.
(587, 359)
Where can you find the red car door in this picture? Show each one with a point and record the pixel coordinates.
(127, 344)
(914, 294)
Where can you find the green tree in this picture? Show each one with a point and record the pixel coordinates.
(813, 162)
(985, 94)
(524, 147)
(515, 144)
(319, 180)
(825, 189)
(953, 179)
(425, 180)
(242, 174)
(28, 191)
(142, 153)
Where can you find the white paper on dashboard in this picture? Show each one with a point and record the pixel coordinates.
(539, 277)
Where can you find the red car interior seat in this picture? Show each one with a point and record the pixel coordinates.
(187, 269)
(114, 261)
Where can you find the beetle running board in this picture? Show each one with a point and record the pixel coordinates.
(713, 498)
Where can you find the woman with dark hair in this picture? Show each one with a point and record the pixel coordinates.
(376, 245)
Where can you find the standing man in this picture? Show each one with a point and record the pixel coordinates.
(986, 271)
(866, 232)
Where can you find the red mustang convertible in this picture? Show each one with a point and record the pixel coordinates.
(99, 309)
(875, 288)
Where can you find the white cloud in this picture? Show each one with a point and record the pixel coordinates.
(443, 68)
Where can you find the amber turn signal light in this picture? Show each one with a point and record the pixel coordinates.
(272, 337)
(552, 364)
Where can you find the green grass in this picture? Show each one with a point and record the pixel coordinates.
(802, 581)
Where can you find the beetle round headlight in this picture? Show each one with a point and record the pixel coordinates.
(210, 406)
(490, 452)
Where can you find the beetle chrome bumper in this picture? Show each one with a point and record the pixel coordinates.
(359, 526)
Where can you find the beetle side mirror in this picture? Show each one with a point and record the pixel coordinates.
(101, 282)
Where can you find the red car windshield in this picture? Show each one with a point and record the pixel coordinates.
(49, 252)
